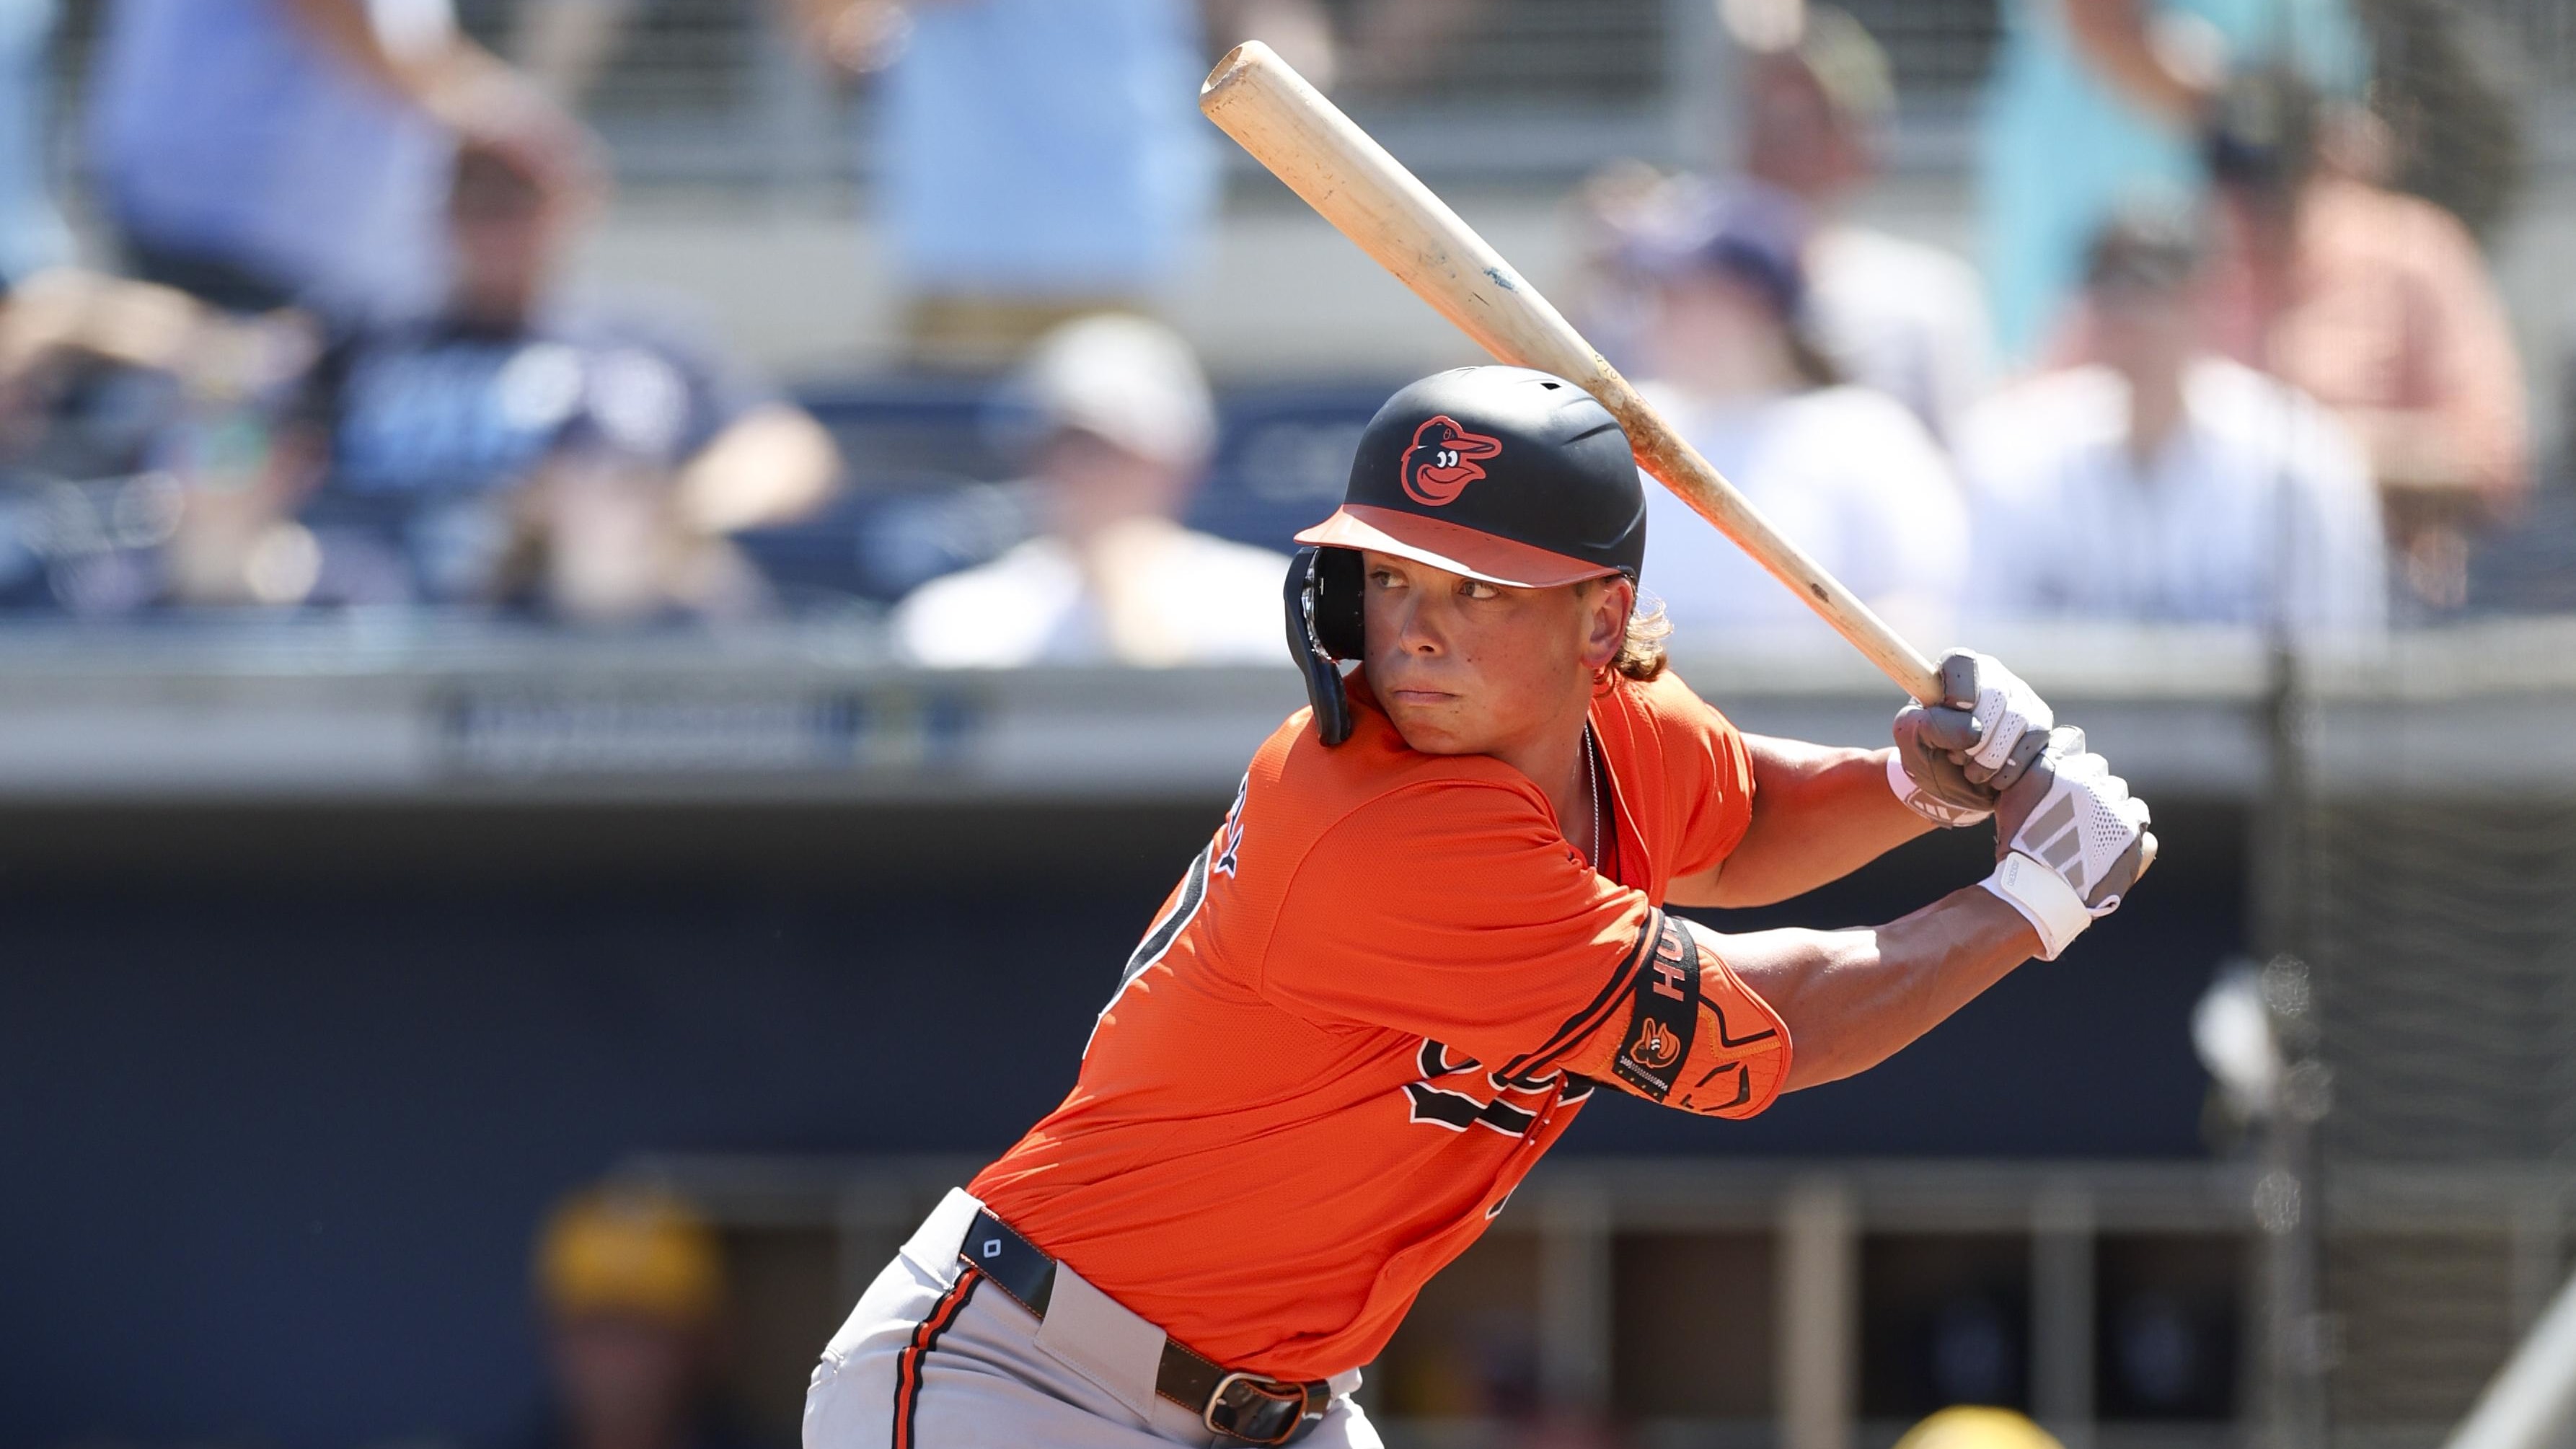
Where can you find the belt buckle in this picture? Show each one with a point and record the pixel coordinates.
(1256, 1410)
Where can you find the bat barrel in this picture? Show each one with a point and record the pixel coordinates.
(1305, 140)
(1347, 177)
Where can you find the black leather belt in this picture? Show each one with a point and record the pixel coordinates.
(1245, 1407)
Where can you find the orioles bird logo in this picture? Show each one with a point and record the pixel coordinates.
(1442, 461)
(1656, 1047)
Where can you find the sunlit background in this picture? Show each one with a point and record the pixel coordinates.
(614, 613)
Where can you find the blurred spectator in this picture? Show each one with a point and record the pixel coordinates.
(1846, 471)
(504, 447)
(2163, 484)
(2093, 106)
(632, 1288)
(32, 234)
(1897, 315)
(1035, 161)
(112, 393)
(1124, 427)
(2447, 96)
(261, 152)
(2378, 305)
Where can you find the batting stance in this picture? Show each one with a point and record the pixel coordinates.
(1432, 925)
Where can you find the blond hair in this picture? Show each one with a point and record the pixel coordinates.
(1641, 654)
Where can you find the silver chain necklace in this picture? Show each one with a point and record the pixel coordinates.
(1592, 787)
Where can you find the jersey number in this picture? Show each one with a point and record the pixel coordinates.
(1217, 856)
(1489, 1100)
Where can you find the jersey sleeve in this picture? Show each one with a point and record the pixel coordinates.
(1711, 775)
(1456, 912)
(1692, 1036)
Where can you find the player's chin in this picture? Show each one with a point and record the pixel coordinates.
(1434, 729)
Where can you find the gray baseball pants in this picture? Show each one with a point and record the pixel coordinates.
(925, 1363)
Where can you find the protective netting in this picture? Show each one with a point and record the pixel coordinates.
(2444, 80)
(2425, 1319)
(2441, 929)
(2444, 934)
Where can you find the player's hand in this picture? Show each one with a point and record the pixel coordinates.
(2070, 841)
(1953, 759)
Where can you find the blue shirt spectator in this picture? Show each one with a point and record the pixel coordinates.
(242, 161)
(432, 427)
(2064, 145)
(504, 447)
(257, 152)
(1036, 151)
(32, 235)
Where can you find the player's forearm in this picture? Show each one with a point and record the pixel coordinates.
(1819, 814)
(1852, 999)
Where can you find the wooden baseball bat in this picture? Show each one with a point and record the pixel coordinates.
(1367, 195)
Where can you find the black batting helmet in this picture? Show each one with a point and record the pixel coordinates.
(1499, 473)
(1502, 473)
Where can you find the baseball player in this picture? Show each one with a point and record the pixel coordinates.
(1432, 925)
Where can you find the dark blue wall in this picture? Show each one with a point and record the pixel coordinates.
(273, 1149)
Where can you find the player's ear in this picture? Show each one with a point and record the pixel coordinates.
(1607, 604)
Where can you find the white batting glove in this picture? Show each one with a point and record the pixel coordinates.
(1954, 758)
(2070, 840)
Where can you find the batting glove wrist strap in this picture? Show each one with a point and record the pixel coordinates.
(2044, 899)
(2071, 840)
(1923, 802)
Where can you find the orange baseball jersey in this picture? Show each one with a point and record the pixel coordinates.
(1384, 988)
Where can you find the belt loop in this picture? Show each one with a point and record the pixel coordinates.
(932, 1248)
(1103, 1340)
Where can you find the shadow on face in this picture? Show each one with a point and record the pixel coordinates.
(1463, 666)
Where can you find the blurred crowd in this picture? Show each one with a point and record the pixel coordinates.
(2230, 352)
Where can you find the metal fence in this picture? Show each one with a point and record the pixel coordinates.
(703, 91)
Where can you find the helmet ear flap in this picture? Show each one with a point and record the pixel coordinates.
(1325, 627)
(1339, 621)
